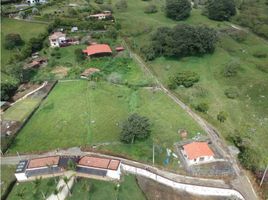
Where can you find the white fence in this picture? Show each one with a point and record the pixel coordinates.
(193, 189)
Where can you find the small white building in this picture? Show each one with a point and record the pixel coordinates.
(33, 2)
(74, 29)
(197, 153)
(56, 39)
(96, 166)
(101, 16)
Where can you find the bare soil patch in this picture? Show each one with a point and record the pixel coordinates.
(24, 89)
(157, 191)
(60, 71)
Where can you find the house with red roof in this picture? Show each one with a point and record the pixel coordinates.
(197, 153)
(101, 167)
(98, 50)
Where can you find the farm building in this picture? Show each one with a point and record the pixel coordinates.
(37, 167)
(74, 29)
(88, 72)
(97, 50)
(57, 38)
(102, 16)
(35, 63)
(118, 49)
(197, 153)
(32, 2)
(95, 166)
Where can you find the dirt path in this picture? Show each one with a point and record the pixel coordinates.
(241, 179)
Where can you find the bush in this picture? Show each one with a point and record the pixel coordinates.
(111, 33)
(121, 5)
(115, 78)
(263, 68)
(150, 9)
(178, 9)
(231, 93)
(231, 69)
(186, 78)
(135, 127)
(221, 9)
(260, 54)
(148, 52)
(13, 40)
(99, 1)
(202, 107)
(222, 116)
(79, 55)
(239, 36)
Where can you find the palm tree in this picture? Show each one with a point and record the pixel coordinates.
(66, 179)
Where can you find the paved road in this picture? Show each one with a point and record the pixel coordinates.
(242, 179)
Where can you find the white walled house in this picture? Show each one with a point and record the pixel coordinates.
(197, 153)
(32, 2)
(102, 167)
(56, 39)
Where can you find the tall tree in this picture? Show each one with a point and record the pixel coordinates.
(178, 9)
(221, 9)
(135, 127)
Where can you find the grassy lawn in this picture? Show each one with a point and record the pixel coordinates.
(94, 190)
(33, 190)
(7, 176)
(74, 114)
(248, 113)
(26, 30)
(21, 110)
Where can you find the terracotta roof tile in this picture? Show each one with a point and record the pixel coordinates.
(97, 48)
(197, 149)
(96, 162)
(43, 162)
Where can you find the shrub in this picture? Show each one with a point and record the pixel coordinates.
(79, 55)
(260, 54)
(178, 9)
(202, 107)
(231, 69)
(150, 9)
(13, 40)
(111, 32)
(121, 5)
(115, 78)
(148, 52)
(135, 127)
(35, 11)
(231, 93)
(99, 1)
(222, 116)
(186, 78)
(263, 68)
(221, 9)
(239, 36)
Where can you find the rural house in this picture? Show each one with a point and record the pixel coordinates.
(101, 16)
(37, 167)
(88, 72)
(57, 38)
(32, 2)
(100, 167)
(197, 153)
(97, 50)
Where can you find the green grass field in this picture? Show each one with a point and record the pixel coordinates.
(26, 30)
(74, 114)
(99, 190)
(248, 113)
(21, 110)
(33, 190)
(7, 176)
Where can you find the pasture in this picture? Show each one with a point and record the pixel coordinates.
(77, 114)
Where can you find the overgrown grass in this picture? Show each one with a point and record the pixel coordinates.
(21, 110)
(75, 114)
(94, 189)
(7, 176)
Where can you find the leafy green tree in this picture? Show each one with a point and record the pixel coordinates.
(135, 127)
(202, 107)
(186, 78)
(13, 40)
(222, 116)
(221, 9)
(178, 9)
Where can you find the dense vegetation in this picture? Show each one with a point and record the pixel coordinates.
(178, 9)
(182, 40)
(221, 9)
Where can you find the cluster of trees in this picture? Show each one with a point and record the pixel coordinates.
(182, 40)
(13, 40)
(185, 78)
(178, 9)
(221, 9)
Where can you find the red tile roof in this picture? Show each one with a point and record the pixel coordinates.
(119, 48)
(96, 162)
(97, 48)
(197, 149)
(43, 162)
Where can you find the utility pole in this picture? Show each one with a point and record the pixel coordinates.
(153, 153)
(18, 155)
(264, 175)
